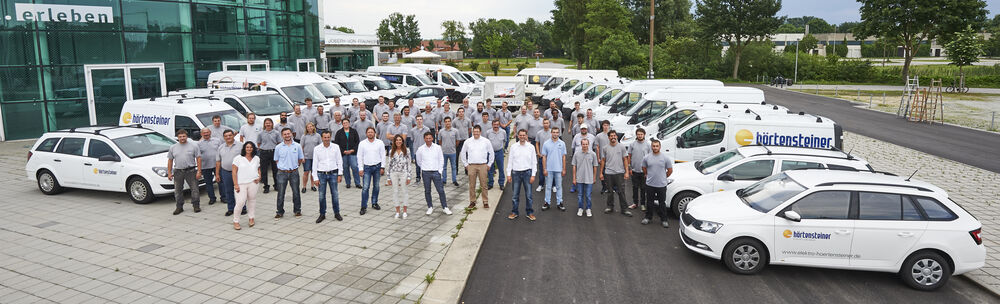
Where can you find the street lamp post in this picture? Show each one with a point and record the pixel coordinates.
(651, 39)
(795, 79)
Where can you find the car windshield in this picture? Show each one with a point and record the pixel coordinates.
(568, 85)
(298, 94)
(719, 161)
(770, 192)
(605, 97)
(627, 101)
(553, 83)
(479, 76)
(355, 86)
(424, 79)
(687, 121)
(459, 77)
(594, 91)
(328, 90)
(671, 120)
(382, 84)
(581, 87)
(140, 145)
(267, 105)
(650, 113)
(230, 118)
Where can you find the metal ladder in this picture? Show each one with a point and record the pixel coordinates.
(912, 84)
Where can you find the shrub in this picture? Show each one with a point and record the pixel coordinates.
(495, 67)
(474, 65)
(521, 66)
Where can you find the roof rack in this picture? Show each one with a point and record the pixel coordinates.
(875, 184)
(849, 169)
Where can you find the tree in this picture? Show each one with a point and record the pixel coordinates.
(618, 52)
(738, 22)
(493, 37)
(914, 21)
(604, 19)
(340, 28)
(965, 48)
(400, 30)
(847, 27)
(454, 31)
(789, 28)
(808, 43)
(568, 18)
(672, 19)
(816, 25)
(431, 46)
(534, 36)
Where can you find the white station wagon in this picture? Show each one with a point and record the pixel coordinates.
(838, 219)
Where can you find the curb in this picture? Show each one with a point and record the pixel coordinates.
(454, 270)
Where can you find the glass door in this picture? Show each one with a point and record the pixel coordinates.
(109, 86)
(306, 65)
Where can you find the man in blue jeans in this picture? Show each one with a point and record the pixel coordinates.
(288, 156)
(371, 163)
(497, 136)
(553, 166)
(229, 150)
(448, 139)
(522, 171)
(431, 160)
(327, 165)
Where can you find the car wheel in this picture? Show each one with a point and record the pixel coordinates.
(48, 183)
(681, 201)
(139, 190)
(925, 271)
(745, 256)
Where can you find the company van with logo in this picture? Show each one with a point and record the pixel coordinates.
(289, 84)
(168, 114)
(706, 133)
(633, 92)
(677, 112)
(534, 78)
(657, 102)
(446, 76)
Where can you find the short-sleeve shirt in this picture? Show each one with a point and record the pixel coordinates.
(362, 126)
(543, 134)
(217, 132)
(585, 163)
(578, 141)
(447, 138)
(208, 149)
(534, 125)
(407, 120)
(638, 150)
(656, 169)
(417, 134)
(267, 140)
(396, 130)
(462, 126)
(309, 142)
(288, 156)
(521, 122)
(602, 140)
(185, 155)
(614, 159)
(226, 155)
(323, 121)
(497, 138)
(298, 123)
(250, 132)
(503, 116)
(554, 151)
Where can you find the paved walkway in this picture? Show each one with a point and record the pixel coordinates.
(97, 247)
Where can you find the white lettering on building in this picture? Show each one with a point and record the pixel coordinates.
(63, 13)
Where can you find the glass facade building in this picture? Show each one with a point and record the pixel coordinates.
(70, 63)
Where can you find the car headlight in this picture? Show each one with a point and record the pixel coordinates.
(707, 226)
(161, 171)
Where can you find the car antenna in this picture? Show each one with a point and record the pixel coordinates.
(849, 157)
(911, 175)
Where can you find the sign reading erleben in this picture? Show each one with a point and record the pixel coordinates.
(63, 13)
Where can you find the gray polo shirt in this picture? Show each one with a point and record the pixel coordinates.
(521, 122)
(343, 111)
(429, 118)
(289, 125)
(578, 141)
(417, 134)
(534, 125)
(184, 155)
(593, 124)
(447, 138)
(208, 150)
(407, 121)
(298, 123)
(656, 169)
(395, 130)
(309, 142)
(250, 132)
(323, 121)
(378, 109)
(503, 116)
(614, 158)
(543, 134)
(462, 126)
(497, 138)
(362, 126)
(217, 132)
(585, 163)
(638, 150)
(267, 140)
(226, 154)
(602, 140)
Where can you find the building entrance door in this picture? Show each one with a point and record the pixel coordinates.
(110, 85)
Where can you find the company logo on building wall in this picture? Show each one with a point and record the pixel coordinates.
(62, 13)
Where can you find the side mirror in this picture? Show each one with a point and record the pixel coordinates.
(680, 142)
(727, 177)
(108, 158)
(793, 216)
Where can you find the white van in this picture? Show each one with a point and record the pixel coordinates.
(403, 77)
(381, 87)
(588, 98)
(634, 91)
(557, 79)
(166, 115)
(534, 78)
(289, 84)
(657, 102)
(474, 76)
(351, 88)
(447, 76)
(709, 132)
(677, 112)
(503, 88)
(264, 104)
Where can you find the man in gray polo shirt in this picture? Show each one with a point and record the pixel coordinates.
(322, 120)
(448, 139)
(497, 137)
(535, 124)
(224, 156)
(337, 107)
(298, 121)
(397, 128)
(613, 160)
(217, 128)
(657, 167)
(636, 152)
(184, 166)
(208, 146)
(601, 141)
(362, 123)
(251, 130)
(413, 136)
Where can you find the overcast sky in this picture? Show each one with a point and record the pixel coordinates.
(364, 16)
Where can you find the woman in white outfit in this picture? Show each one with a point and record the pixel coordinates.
(246, 177)
(399, 169)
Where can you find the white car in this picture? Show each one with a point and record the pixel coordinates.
(739, 168)
(119, 159)
(838, 219)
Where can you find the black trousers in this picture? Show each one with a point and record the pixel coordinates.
(616, 182)
(658, 194)
(267, 163)
(639, 188)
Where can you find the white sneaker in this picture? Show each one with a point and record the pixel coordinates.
(539, 189)
(579, 212)
(397, 215)
(404, 215)
(430, 210)
(447, 211)
(589, 214)
(553, 190)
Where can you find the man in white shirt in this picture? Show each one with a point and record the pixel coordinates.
(430, 159)
(371, 164)
(327, 165)
(477, 157)
(522, 170)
